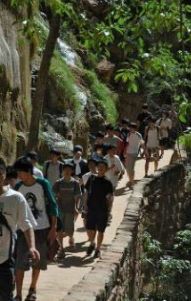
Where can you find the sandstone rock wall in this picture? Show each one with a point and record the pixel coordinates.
(14, 83)
(157, 204)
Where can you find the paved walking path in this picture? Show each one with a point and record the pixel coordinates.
(58, 280)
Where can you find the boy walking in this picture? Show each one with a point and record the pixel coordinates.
(43, 206)
(53, 168)
(68, 194)
(99, 202)
(13, 214)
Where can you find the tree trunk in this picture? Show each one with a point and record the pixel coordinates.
(38, 101)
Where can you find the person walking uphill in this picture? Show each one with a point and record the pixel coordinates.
(134, 142)
(80, 164)
(68, 194)
(13, 214)
(99, 203)
(44, 208)
(53, 168)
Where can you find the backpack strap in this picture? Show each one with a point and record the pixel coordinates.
(3, 221)
(50, 202)
(47, 164)
(60, 169)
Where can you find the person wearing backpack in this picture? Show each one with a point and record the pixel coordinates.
(151, 144)
(80, 164)
(13, 215)
(53, 168)
(40, 198)
(133, 144)
(68, 195)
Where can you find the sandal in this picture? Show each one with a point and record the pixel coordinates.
(17, 298)
(31, 295)
(60, 255)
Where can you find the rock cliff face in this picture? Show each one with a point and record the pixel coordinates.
(14, 84)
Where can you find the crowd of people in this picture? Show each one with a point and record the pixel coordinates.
(39, 208)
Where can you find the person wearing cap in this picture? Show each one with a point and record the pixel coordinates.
(34, 159)
(80, 164)
(68, 195)
(133, 144)
(110, 137)
(99, 201)
(53, 168)
(142, 119)
(41, 200)
(115, 166)
(13, 215)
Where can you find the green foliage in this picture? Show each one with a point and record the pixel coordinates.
(185, 141)
(183, 243)
(105, 97)
(153, 46)
(65, 81)
(169, 278)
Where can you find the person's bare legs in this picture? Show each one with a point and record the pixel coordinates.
(100, 238)
(91, 235)
(156, 163)
(19, 277)
(60, 238)
(147, 167)
(35, 277)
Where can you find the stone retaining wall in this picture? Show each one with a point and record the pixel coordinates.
(156, 205)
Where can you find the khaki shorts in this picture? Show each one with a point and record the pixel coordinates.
(130, 162)
(152, 154)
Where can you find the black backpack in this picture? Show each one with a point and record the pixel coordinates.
(4, 223)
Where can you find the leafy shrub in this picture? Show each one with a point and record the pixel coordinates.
(105, 97)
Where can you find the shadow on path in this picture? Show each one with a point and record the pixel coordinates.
(75, 261)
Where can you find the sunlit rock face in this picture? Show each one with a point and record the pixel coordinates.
(14, 84)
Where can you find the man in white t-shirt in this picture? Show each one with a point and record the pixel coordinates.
(134, 142)
(14, 214)
(40, 198)
(115, 166)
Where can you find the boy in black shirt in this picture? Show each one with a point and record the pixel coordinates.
(99, 202)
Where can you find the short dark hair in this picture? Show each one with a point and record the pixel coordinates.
(102, 161)
(78, 148)
(99, 135)
(133, 125)
(145, 106)
(110, 146)
(125, 121)
(32, 155)
(54, 151)
(11, 173)
(109, 127)
(151, 119)
(24, 164)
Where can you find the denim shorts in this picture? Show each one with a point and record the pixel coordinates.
(7, 281)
